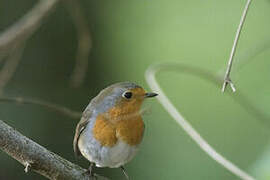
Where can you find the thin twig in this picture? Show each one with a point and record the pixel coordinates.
(54, 107)
(37, 158)
(84, 42)
(24, 27)
(203, 144)
(10, 66)
(227, 79)
(241, 99)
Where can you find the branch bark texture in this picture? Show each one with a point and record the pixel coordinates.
(37, 158)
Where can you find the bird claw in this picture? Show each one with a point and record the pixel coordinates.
(125, 173)
(91, 175)
(89, 172)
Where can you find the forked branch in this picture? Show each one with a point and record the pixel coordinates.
(227, 79)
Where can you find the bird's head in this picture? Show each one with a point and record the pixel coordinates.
(123, 98)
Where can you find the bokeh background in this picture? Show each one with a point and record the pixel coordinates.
(129, 36)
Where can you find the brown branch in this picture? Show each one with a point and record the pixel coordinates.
(58, 108)
(37, 158)
(27, 25)
(84, 42)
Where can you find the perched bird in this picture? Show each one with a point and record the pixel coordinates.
(111, 128)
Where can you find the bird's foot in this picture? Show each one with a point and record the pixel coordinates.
(89, 172)
(125, 172)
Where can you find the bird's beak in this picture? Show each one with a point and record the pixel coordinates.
(149, 95)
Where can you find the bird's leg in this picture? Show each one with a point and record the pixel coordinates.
(124, 171)
(90, 169)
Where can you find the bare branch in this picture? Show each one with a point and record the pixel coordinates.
(84, 42)
(203, 144)
(54, 107)
(27, 25)
(38, 158)
(227, 79)
(10, 66)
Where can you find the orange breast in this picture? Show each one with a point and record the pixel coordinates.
(130, 131)
(123, 121)
(104, 132)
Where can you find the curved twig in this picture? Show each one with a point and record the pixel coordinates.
(37, 158)
(10, 66)
(227, 79)
(54, 107)
(203, 144)
(84, 42)
(216, 80)
(25, 26)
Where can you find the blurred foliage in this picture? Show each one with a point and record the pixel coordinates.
(261, 167)
(128, 36)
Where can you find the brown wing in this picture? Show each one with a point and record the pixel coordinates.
(79, 129)
(85, 118)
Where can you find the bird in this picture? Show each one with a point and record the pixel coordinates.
(111, 127)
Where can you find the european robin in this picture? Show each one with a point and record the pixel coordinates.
(111, 128)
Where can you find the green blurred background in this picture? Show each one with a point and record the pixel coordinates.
(128, 36)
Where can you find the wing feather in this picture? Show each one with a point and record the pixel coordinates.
(79, 129)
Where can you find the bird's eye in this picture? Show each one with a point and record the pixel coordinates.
(127, 95)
